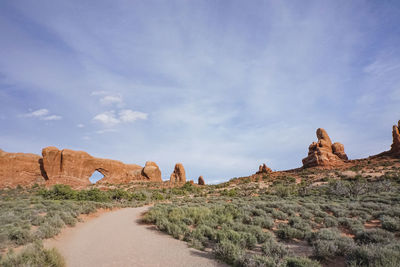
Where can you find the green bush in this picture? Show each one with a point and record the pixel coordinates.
(301, 262)
(373, 255)
(228, 252)
(34, 255)
(374, 236)
(391, 224)
(19, 236)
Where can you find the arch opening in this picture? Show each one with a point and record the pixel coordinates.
(96, 176)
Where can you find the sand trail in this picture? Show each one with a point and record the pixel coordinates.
(117, 238)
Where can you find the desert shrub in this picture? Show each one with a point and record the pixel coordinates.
(68, 218)
(390, 224)
(254, 260)
(374, 236)
(263, 221)
(58, 191)
(287, 232)
(271, 248)
(228, 252)
(46, 230)
(229, 193)
(373, 255)
(301, 262)
(260, 234)
(33, 255)
(277, 214)
(203, 233)
(140, 196)
(19, 236)
(328, 243)
(330, 221)
(157, 196)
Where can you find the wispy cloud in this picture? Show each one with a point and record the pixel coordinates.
(51, 118)
(110, 118)
(37, 113)
(111, 99)
(42, 114)
(128, 115)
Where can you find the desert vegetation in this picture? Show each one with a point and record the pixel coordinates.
(353, 221)
(27, 216)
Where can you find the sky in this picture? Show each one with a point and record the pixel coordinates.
(220, 86)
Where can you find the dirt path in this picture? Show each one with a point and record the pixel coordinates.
(118, 239)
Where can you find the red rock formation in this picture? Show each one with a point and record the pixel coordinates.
(201, 181)
(69, 167)
(338, 150)
(263, 169)
(395, 148)
(151, 171)
(178, 175)
(20, 169)
(324, 153)
(75, 168)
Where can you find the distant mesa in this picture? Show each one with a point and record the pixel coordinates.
(69, 167)
(263, 169)
(178, 175)
(324, 153)
(201, 181)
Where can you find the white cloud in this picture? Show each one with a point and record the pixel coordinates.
(111, 99)
(128, 115)
(80, 125)
(106, 131)
(51, 118)
(107, 118)
(42, 114)
(37, 113)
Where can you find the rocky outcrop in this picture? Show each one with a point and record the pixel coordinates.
(178, 175)
(324, 153)
(395, 148)
(151, 171)
(201, 181)
(338, 150)
(69, 167)
(20, 169)
(263, 169)
(75, 168)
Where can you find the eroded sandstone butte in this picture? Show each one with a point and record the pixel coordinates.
(323, 153)
(201, 181)
(263, 169)
(69, 167)
(178, 175)
(395, 148)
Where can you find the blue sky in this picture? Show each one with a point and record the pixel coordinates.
(221, 86)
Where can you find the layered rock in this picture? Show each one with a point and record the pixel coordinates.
(324, 153)
(178, 175)
(201, 181)
(395, 148)
(263, 169)
(20, 169)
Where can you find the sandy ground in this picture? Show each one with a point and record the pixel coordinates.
(117, 238)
